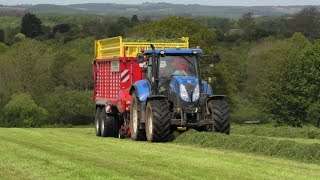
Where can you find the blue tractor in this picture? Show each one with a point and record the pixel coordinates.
(174, 97)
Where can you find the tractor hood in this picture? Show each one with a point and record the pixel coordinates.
(187, 87)
(185, 80)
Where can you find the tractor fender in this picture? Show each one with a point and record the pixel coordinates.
(153, 97)
(142, 88)
(207, 89)
(214, 97)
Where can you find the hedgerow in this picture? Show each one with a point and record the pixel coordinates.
(22, 111)
(280, 131)
(258, 145)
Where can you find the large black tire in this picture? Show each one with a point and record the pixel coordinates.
(158, 121)
(97, 122)
(109, 125)
(220, 112)
(135, 118)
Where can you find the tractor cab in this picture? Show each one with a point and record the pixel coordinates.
(172, 65)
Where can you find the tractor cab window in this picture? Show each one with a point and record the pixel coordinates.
(177, 66)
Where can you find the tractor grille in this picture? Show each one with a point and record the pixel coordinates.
(190, 87)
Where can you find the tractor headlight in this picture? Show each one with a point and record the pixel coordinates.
(196, 93)
(183, 93)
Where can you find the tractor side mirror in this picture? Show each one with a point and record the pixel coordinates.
(140, 58)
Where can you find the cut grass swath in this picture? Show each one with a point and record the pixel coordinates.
(250, 144)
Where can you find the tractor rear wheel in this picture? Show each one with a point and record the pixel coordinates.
(158, 121)
(135, 118)
(97, 120)
(109, 125)
(220, 112)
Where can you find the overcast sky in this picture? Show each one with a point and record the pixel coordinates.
(205, 2)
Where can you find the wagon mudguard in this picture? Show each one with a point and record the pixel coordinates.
(142, 88)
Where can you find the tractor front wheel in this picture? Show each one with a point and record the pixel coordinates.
(158, 121)
(220, 113)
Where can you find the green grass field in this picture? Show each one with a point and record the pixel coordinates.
(77, 153)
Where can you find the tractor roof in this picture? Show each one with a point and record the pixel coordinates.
(174, 51)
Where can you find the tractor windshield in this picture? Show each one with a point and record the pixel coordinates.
(177, 66)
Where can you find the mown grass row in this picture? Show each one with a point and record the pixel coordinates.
(250, 144)
(76, 153)
(281, 131)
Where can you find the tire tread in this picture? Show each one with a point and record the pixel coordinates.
(161, 120)
(221, 115)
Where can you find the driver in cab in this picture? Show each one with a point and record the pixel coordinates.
(171, 66)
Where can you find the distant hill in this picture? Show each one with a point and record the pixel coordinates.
(54, 9)
(160, 9)
(11, 10)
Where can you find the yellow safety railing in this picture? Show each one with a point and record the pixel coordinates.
(117, 47)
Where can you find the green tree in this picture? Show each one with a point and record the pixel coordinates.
(176, 27)
(22, 111)
(134, 20)
(119, 28)
(19, 38)
(24, 67)
(68, 106)
(3, 48)
(10, 33)
(282, 91)
(313, 113)
(31, 26)
(221, 24)
(310, 82)
(72, 66)
(2, 36)
(247, 24)
(223, 82)
(60, 60)
(307, 21)
(94, 28)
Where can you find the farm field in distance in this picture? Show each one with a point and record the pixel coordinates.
(35, 153)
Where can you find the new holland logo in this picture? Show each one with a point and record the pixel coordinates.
(125, 76)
